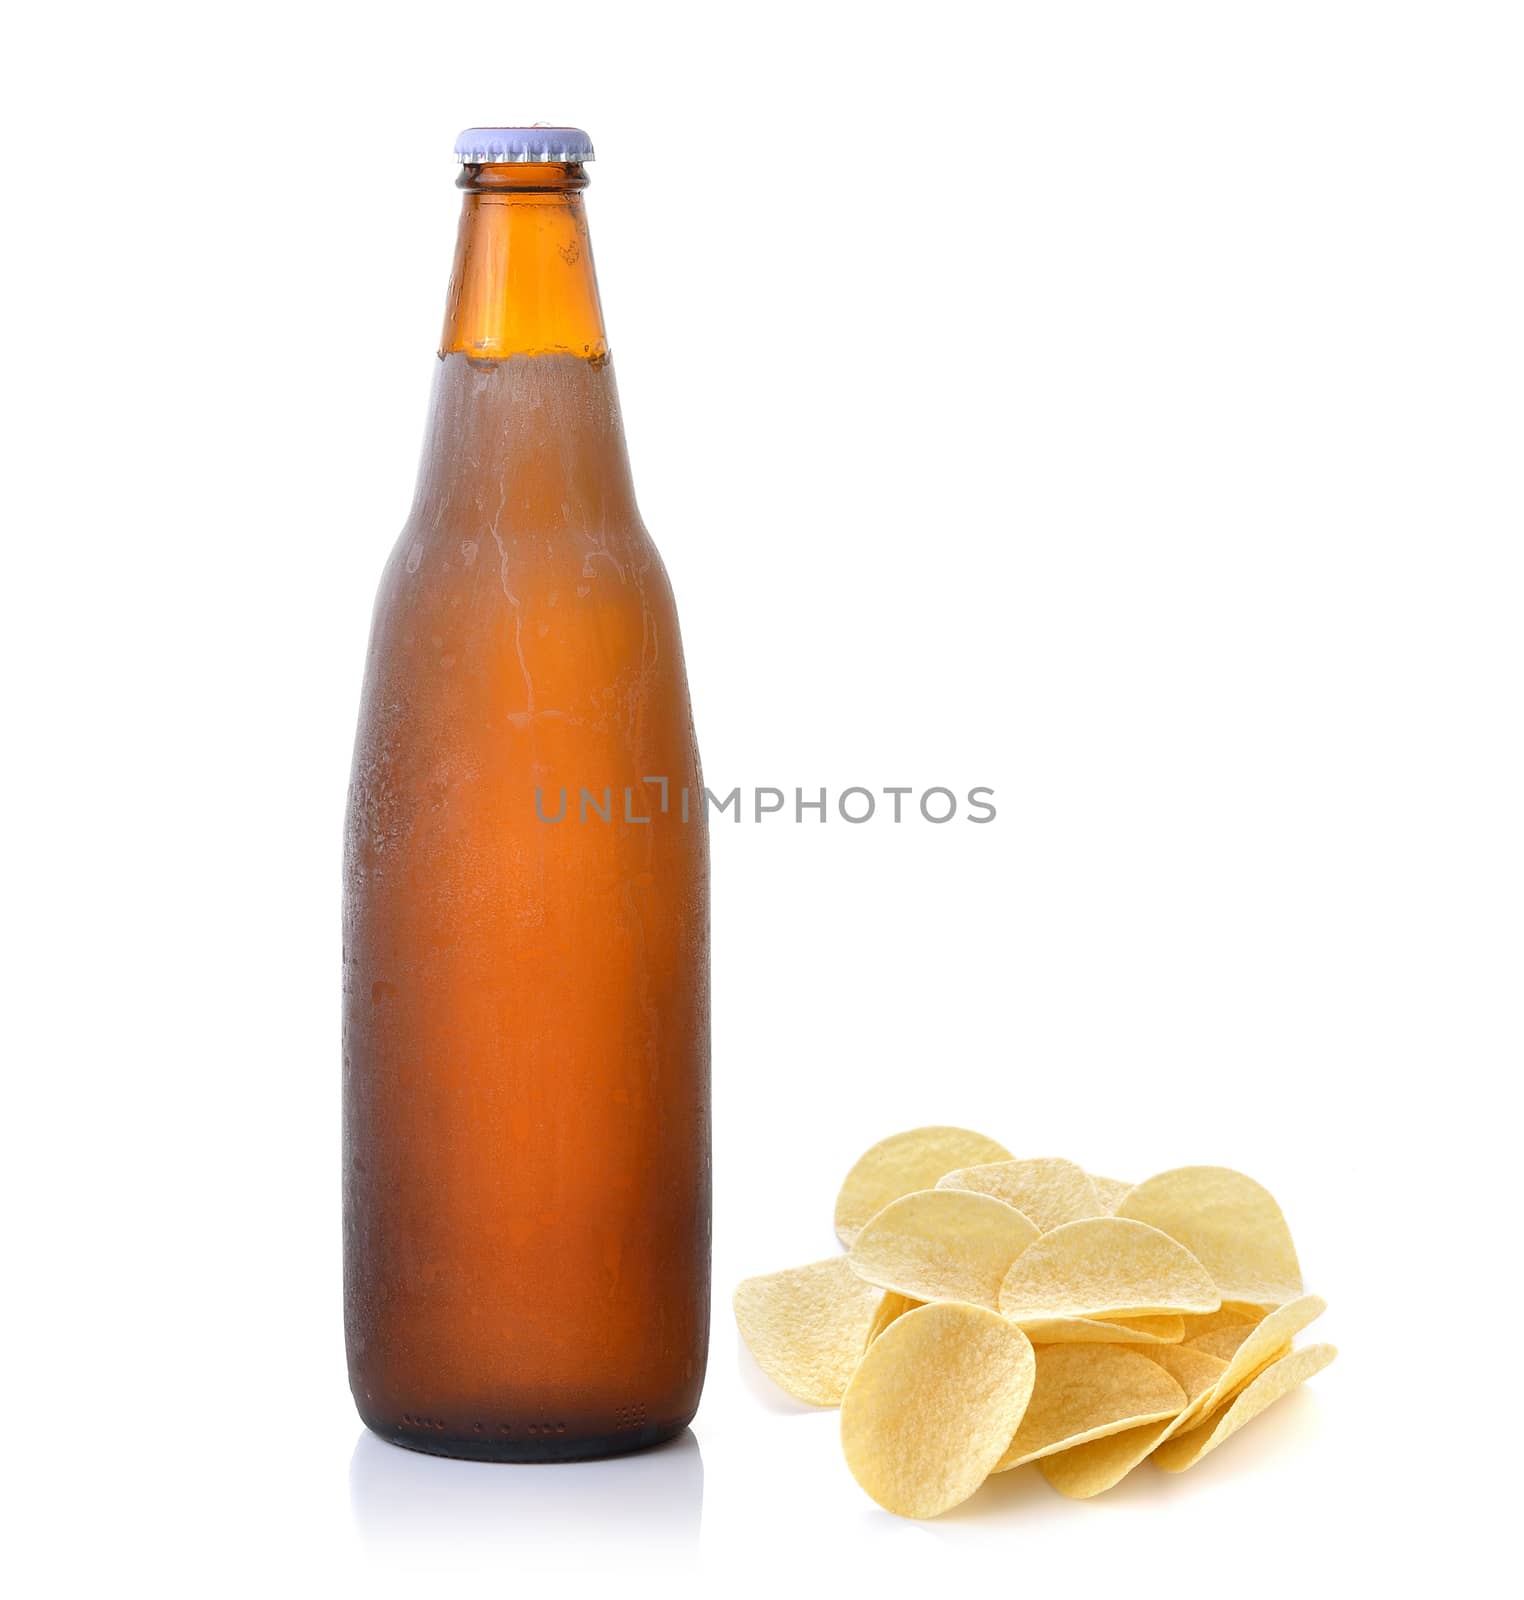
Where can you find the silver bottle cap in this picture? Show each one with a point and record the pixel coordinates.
(477, 146)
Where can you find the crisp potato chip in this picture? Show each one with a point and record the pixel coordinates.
(942, 1244)
(1222, 1342)
(933, 1405)
(903, 1163)
(1210, 1383)
(1230, 1224)
(1269, 1385)
(1109, 1191)
(1092, 1330)
(806, 1326)
(1194, 1370)
(1086, 1391)
(891, 1306)
(1100, 1464)
(1105, 1267)
(992, 1312)
(1097, 1465)
(1266, 1341)
(1050, 1191)
(1230, 1314)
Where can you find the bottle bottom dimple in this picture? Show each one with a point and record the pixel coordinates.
(547, 1442)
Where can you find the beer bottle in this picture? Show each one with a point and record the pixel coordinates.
(526, 899)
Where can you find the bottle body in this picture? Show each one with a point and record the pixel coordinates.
(526, 982)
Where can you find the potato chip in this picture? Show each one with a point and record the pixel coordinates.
(1092, 1330)
(1097, 1465)
(1105, 1267)
(1109, 1191)
(1100, 1464)
(1229, 1223)
(1272, 1383)
(806, 1326)
(938, 1397)
(1222, 1342)
(903, 1163)
(1266, 1341)
(992, 1312)
(1230, 1314)
(1210, 1383)
(1086, 1391)
(1194, 1370)
(1050, 1191)
(891, 1306)
(942, 1244)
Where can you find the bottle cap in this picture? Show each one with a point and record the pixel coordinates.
(542, 142)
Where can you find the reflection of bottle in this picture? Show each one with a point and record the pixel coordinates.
(526, 1002)
(403, 1501)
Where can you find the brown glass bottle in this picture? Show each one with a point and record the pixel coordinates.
(526, 970)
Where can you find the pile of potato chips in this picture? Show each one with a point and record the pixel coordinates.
(993, 1312)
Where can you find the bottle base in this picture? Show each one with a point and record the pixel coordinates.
(556, 1447)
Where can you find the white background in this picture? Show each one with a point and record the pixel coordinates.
(1117, 405)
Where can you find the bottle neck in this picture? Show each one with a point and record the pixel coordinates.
(523, 280)
(525, 416)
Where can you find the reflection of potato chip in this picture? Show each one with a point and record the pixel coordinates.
(1109, 1191)
(1099, 1464)
(806, 1326)
(1231, 1225)
(1269, 1385)
(1050, 1191)
(938, 1397)
(1105, 1267)
(1086, 1391)
(1115, 1330)
(903, 1163)
(942, 1244)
